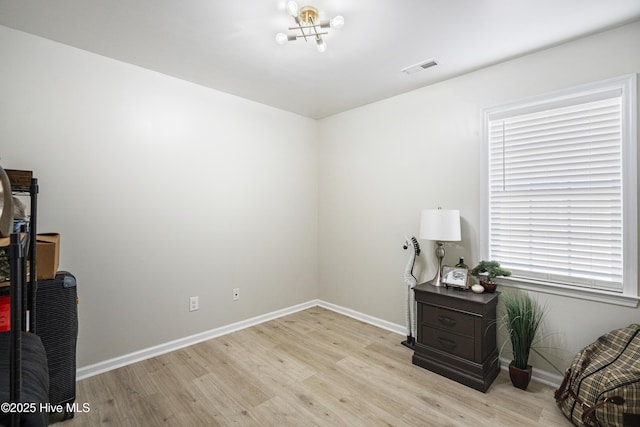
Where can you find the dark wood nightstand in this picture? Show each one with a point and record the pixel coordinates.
(457, 335)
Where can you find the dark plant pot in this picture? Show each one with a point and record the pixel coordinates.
(520, 378)
(489, 287)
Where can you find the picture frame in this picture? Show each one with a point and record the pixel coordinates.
(455, 276)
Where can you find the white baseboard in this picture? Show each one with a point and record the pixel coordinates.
(137, 356)
(383, 324)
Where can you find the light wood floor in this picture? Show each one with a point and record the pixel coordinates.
(312, 368)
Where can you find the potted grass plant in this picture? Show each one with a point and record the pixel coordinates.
(522, 319)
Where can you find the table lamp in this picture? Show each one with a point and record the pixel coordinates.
(441, 225)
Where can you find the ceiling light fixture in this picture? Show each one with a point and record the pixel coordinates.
(308, 25)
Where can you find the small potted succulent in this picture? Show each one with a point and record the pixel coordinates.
(486, 271)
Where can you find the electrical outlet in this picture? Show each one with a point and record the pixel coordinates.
(194, 303)
(236, 294)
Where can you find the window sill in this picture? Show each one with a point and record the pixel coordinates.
(568, 291)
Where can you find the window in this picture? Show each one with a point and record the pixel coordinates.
(559, 200)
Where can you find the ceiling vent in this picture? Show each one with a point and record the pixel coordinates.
(423, 65)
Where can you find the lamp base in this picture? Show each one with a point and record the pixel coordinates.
(437, 279)
(435, 282)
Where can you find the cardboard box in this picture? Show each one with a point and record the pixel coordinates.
(19, 178)
(47, 255)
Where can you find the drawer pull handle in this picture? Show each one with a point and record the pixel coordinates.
(447, 344)
(447, 321)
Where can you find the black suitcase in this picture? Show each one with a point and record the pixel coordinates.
(56, 323)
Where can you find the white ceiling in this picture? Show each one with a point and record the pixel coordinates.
(230, 45)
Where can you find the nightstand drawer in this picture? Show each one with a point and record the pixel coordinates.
(450, 320)
(450, 343)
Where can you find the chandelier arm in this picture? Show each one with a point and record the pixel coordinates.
(305, 27)
(315, 30)
(302, 31)
(301, 36)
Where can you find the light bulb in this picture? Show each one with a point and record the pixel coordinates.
(281, 38)
(321, 45)
(337, 22)
(292, 8)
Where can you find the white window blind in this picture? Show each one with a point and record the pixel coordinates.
(555, 190)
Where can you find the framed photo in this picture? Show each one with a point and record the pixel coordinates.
(453, 276)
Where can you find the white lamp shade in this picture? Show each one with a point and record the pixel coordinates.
(441, 225)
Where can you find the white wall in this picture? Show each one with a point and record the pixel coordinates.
(114, 144)
(161, 190)
(381, 164)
